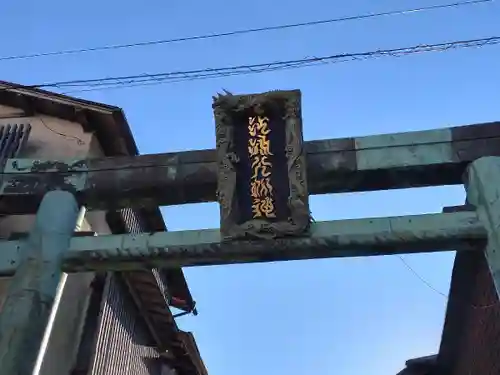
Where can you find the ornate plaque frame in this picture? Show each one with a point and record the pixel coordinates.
(299, 219)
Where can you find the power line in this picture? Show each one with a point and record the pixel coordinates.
(245, 31)
(424, 281)
(206, 73)
(447, 297)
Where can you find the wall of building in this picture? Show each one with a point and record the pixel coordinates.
(56, 138)
(50, 138)
(119, 334)
(9, 112)
(124, 346)
(471, 336)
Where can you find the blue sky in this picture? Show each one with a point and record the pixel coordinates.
(342, 316)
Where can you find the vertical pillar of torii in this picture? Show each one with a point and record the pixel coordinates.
(55, 306)
(33, 287)
(482, 182)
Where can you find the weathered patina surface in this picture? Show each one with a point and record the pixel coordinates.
(401, 160)
(482, 182)
(274, 116)
(32, 290)
(342, 238)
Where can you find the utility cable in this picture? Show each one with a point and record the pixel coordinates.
(431, 287)
(245, 31)
(176, 76)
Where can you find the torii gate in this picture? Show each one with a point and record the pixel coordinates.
(259, 137)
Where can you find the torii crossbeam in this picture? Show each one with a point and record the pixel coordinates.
(379, 162)
(437, 157)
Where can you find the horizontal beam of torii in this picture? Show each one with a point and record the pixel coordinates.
(328, 239)
(390, 161)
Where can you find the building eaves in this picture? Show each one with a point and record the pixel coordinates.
(115, 135)
(111, 129)
(429, 360)
(421, 366)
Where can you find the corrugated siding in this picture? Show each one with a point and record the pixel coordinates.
(124, 345)
(134, 224)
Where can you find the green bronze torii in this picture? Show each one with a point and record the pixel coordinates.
(437, 157)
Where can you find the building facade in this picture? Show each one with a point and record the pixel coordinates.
(108, 323)
(470, 343)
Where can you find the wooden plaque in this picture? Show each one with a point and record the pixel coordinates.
(262, 189)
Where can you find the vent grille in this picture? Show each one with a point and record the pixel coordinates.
(12, 140)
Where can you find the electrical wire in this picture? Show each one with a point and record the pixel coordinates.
(177, 76)
(202, 76)
(430, 286)
(128, 167)
(171, 77)
(417, 275)
(244, 31)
